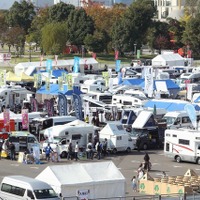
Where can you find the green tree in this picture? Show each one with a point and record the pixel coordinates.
(191, 36)
(3, 27)
(39, 21)
(192, 7)
(21, 14)
(79, 25)
(135, 22)
(60, 12)
(54, 38)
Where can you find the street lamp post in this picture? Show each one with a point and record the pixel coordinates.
(135, 53)
(83, 49)
(30, 52)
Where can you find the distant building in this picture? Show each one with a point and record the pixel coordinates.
(169, 8)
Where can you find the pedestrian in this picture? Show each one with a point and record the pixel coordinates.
(1, 145)
(12, 151)
(104, 149)
(134, 184)
(76, 151)
(57, 153)
(97, 121)
(87, 119)
(93, 120)
(138, 143)
(70, 150)
(89, 151)
(99, 150)
(48, 151)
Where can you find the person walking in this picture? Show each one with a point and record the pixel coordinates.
(1, 145)
(87, 119)
(104, 149)
(70, 150)
(48, 151)
(76, 151)
(89, 151)
(98, 149)
(12, 151)
(134, 184)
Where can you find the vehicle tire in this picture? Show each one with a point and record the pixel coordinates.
(178, 159)
(128, 150)
(63, 154)
(114, 151)
(198, 161)
(145, 147)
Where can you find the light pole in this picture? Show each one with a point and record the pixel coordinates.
(135, 45)
(30, 52)
(83, 49)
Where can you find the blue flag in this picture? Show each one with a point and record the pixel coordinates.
(49, 65)
(62, 104)
(117, 65)
(77, 105)
(76, 64)
(189, 108)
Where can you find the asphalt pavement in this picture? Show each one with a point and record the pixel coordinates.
(126, 163)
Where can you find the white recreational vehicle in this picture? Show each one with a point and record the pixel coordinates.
(76, 131)
(179, 119)
(11, 95)
(182, 145)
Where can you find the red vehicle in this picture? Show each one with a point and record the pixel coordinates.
(4, 130)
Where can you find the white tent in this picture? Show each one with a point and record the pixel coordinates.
(172, 59)
(29, 67)
(101, 179)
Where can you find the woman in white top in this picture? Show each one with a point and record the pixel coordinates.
(76, 151)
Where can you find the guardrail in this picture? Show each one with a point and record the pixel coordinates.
(146, 197)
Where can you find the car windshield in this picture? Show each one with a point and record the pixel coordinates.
(137, 132)
(169, 120)
(45, 194)
(55, 140)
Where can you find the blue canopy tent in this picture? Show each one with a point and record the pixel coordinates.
(169, 105)
(54, 90)
(135, 81)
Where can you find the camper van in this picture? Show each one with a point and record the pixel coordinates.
(24, 188)
(76, 131)
(40, 124)
(178, 119)
(123, 101)
(23, 140)
(182, 145)
(189, 78)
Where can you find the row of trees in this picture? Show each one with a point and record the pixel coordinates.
(99, 29)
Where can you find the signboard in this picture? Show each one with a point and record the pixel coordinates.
(83, 194)
(5, 56)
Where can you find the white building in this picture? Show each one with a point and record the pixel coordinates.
(169, 8)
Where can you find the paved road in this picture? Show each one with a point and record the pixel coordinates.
(127, 164)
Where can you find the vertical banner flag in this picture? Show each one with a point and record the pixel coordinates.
(148, 88)
(41, 59)
(47, 81)
(25, 120)
(56, 59)
(6, 117)
(60, 83)
(189, 108)
(117, 65)
(49, 105)
(64, 78)
(138, 54)
(120, 78)
(77, 105)
(49, 65)
(94, 55)
(106, 77)
(2, 77)
(189, 91)
(116, 55)
(76, 64)
(69, 82)
(34, 104)
(62, 104)
(35, 76)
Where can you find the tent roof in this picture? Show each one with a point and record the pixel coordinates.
(168, 57)
(113, 129)
(54, 90)
(169, 104)
(80, 173)
(10, 76)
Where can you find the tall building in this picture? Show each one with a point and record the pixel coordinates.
(169, 8)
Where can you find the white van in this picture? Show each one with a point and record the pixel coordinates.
(178, 119)
(190, 78)
(25, 188)
(23, 140)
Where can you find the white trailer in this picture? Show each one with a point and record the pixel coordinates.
(182, 145)
(76, 131)
(117, 138)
